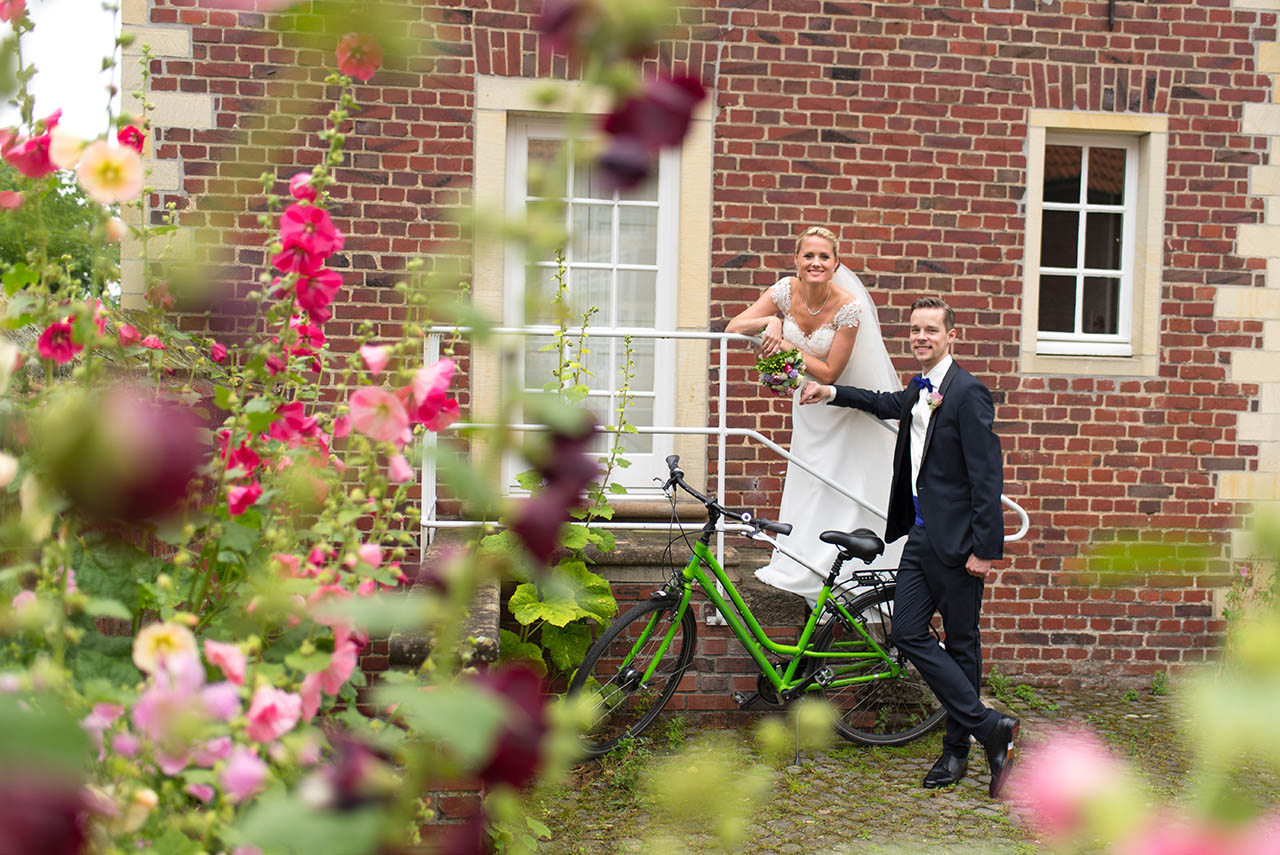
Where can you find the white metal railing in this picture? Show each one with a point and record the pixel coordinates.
(722, 432)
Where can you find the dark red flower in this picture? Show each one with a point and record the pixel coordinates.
(562, 22)
(42, 815)
(31, 156)
(517, 753)
(659, 116)
(626, 162)
(566, 469)
(132, 137)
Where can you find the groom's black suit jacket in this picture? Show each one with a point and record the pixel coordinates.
(961, 473)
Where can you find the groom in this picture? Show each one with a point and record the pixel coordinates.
(946, 498)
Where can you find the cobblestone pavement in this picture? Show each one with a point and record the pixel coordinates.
(855, 799)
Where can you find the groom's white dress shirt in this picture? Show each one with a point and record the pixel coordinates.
(920, 414)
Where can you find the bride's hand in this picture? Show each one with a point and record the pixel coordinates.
(771, 337)
(813, 392)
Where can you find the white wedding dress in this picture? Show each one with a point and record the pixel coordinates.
(849, 447)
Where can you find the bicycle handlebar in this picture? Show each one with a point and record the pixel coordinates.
(676, 479)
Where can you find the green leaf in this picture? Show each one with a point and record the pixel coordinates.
(241, 538)
(19, 277)
(107, 607)
(465, 719)
(591, 592)
(567, 645)
(222, 397)
(39, 733)
(174, 842)
(538, 828)
(308, 663)
(277, 823)
(573, 536)
(380, 613)
(557, 605)
(617, 489)
(529, 479)
(512, 649)
(261, 412)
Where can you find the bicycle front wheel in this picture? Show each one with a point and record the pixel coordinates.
(613, 671)
(880, 709)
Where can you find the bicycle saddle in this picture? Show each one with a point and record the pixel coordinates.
(860, 543)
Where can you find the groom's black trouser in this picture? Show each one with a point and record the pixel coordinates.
(954, 672)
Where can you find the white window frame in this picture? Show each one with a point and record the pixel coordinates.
(1085, 355)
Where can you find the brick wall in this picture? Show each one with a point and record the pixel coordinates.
(903, 126)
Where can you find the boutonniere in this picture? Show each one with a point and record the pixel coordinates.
(935, 401)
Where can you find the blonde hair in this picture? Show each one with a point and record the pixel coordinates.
(822, 232)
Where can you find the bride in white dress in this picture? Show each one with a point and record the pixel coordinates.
(841, 343)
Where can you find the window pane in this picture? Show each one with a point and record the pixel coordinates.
(599, 407)
(596, 361)
(1057, 304)
(639, 413)
(1062, 170)
(590, 182)
(637, 298)
(1059, 236)
(646, 192)
(642, 357)
(539, 365)
(1106, 176)
(1101, 305)
(540, 294)
(637, 235)
(1102, 234)
(543, 154)
(592, 233)
(587, 288)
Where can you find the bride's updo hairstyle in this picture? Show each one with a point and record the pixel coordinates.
(822, 232)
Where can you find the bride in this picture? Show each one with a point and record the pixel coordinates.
(825, 312)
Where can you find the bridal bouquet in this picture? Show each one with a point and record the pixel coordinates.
(781, 372)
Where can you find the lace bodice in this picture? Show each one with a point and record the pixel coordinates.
(817, 343)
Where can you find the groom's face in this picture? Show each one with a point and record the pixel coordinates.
(930, 339)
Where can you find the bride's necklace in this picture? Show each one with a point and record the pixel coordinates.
(818, 311)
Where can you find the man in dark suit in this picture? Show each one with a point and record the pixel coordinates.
(945, 497)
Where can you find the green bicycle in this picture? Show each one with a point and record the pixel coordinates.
(844, 653)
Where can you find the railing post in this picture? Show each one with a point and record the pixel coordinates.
(430, 355)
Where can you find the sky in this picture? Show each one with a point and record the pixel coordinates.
(67, 46)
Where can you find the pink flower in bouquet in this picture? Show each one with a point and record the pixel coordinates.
(272, 713)
(243, 775)
(110, 174)
(31, 156)
(10, 200)
(375, 357)
(131, 137)
(57, 343)
(378, 414)
(935, 400)
(218, 352)
(1055, 784)
(300, 187)
(398, 469)
(241, 497)
(309, 228)
(228, 658)
(359, 55)
(11, 10)
(128, 335)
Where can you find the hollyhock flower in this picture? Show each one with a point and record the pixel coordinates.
(1168, 835)
(366, 588)
(1058, 783)
(343, 662)
(241, 497)
(218, 352)
(64, 148)
(170, 709)
(228, 658)
(98, 720)
(161, 643)
(10, 200)
(398, 469)
(275, 364)
(375, 357)
(359, 55)
(341, 426)
(153, 343)
(131, 137)
(660, 115)
(517, 752)
(625, 162)
(22, 601)
(315, 290)
(294, 425)
(110, 174)
(221, 700)
(310, 692)
(56, 343)
(562, 22)
(371, 554)
(309, 227)
(243, 775)
(8, 469)
(212, 751)
(31, 156)
(566, 469)
(300, 187)
(445, 416)
(125, 744)
(430, 382)
(128, 335)
(42, 813)
(243, 458)
(378, 414)
(203, 792)
(272, 713)
(11, 10)
(310, 340)
(115, 230)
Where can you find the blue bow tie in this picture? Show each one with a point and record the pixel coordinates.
(922, 382)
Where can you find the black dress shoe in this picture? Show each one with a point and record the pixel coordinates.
(999, 748)
(947, 771)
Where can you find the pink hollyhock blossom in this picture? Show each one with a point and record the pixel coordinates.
(10, 200)
(1055, 784)
(31, 156)
(359, 55)
(431, 382)
(241, 497)
(11, 10)
(158, 644)
(272, 713)
(56, 343)
(445, 416)
(294, 425)
(153, 343)
(315, 290)
(125, 744)
(366, 588)
(345, 654)
(375, 357)
(243, 775)
(221, 700)
(276, 364)
(310, 694)
(203, 792)
(309, 227)
(22, 601)
(218, 352)
(8, 469)
(1168, 835)
(244, 850)
(212, 751)
(300, 187)
(290, 564)
(371, 554)
(98, 720)
(228, 658)
(115, 230)
(64, 148)
(378, 414)
(128, 335)
(110, 174)
(131, 137)
(341, 426)
(398, 469)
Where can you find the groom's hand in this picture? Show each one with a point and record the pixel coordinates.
(814, 392)
(979, 567)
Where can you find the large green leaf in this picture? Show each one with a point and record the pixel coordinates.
(278, 823)
(511, 648)
(567, 644)
(591, 592)
(556, 605)
(465, 719)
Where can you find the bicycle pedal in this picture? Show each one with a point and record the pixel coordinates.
(824, 678)
(744, 700)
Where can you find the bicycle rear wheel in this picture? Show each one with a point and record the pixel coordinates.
(884, 709)
(614, 669)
